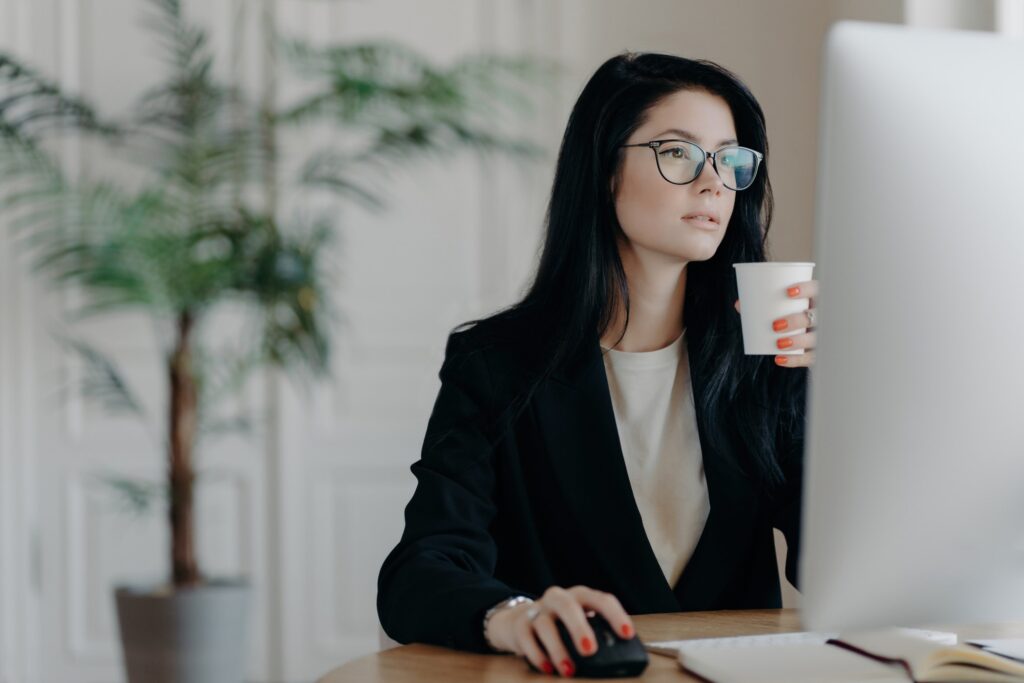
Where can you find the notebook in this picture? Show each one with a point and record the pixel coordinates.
(883, 656)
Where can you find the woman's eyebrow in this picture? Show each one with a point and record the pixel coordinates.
(690, 136)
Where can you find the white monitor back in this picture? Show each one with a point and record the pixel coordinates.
(914, 483)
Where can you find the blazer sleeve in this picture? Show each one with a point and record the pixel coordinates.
(787, 520)
(438, 582)
(789, 503)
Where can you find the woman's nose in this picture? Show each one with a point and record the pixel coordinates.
(708, 174)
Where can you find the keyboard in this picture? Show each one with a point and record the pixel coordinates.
(671, 647)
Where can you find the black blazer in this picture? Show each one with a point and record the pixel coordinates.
(550, 503)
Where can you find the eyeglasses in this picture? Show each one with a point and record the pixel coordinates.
(680, 162)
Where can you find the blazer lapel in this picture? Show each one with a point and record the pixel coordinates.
(578, 422)
(733, 499)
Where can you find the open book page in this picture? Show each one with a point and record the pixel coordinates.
(801, 663)
(933, 662)
(1008, 647)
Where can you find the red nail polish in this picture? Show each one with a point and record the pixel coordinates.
(626, 631)
(784, 343)
(793, 291)
(546, 667)
(568, 670)
(587, 645)
(781, 360)
(779, 325)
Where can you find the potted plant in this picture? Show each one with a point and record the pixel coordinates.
(185, 241)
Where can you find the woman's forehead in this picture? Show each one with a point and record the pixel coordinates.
(696, 115)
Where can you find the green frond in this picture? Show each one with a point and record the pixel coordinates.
(224, 373)
(408, 110)
(32, 105)
(386, 84)
(343, 174)
(185, 45)
(137, 496)
(102, 381)
(288, 282)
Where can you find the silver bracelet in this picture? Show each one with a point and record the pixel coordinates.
(504, 604)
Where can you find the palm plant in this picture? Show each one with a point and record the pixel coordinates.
(185, 241)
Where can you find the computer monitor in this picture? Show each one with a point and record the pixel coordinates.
(914, 482)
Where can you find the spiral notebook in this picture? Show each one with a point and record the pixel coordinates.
(892, 655)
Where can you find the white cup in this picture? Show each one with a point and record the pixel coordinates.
(763, 299)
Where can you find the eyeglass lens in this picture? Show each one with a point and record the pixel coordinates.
(680, 163)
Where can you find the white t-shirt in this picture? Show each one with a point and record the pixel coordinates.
(653, 403)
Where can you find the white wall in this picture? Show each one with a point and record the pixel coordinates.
(976, 15)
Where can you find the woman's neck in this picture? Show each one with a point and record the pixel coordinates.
(657, 289)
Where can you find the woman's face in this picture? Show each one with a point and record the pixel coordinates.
(652, 211)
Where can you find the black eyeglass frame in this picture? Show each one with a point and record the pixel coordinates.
(655, 144)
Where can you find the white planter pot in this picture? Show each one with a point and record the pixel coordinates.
(190, 635)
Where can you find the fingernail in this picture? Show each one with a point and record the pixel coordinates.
(567, 668)
(587, 645)
(784, 343)
(781, 360)
(546, 667)
(792, 291)
(780, 325)
(626, 630)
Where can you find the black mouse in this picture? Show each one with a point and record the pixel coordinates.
(616, 657)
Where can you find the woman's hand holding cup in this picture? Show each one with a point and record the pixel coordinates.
(781, 313)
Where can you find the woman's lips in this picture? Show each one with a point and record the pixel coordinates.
(702, 224)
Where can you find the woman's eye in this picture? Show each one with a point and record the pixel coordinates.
(677, 153)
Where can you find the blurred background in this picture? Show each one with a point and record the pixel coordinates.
(425, 167)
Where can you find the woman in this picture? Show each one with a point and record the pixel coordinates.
(604, 444)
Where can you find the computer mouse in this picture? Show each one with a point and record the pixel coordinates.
(616, 657)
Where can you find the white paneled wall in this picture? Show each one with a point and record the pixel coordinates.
(20, 556)
(457, 243)
(309, 519)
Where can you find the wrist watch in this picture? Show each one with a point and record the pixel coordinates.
(503, 605)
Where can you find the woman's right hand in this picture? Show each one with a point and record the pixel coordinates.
(538, 639)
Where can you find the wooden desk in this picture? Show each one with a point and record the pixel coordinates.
(426, 663)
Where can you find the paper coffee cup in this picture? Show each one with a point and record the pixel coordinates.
(763, 300)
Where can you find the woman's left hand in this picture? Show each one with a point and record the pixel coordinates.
(806, 340)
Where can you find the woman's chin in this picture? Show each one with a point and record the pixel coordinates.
(700, 249)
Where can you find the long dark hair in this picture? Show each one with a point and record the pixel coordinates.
(748, 402)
